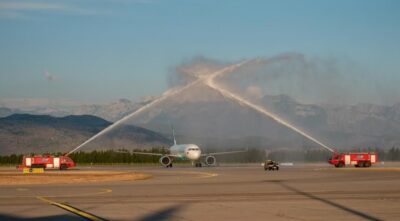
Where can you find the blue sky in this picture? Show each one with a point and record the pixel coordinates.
(100, 50)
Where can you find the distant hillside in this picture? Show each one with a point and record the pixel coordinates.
(25, 133)
(111, 111)
(4, 111)
(204, 117)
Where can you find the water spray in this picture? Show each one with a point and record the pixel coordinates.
(242, 101)
(209, 81)
(165, 95)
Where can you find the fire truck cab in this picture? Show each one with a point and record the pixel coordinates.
(356, 159)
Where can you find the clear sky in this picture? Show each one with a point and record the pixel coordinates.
(99, 50)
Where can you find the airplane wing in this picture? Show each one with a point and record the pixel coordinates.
(146, 153)
(155, 154)
(223, 153)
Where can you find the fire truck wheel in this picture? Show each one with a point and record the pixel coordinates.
(340, 165)
(367, 164)
(63, 167)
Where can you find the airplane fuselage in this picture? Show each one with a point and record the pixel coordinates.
(186, 151)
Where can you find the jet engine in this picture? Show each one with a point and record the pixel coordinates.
(211, 161)
(166, 161)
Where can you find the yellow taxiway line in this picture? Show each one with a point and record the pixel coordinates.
(207, 175)
(71, 209)
(199, 174)
(102, 191)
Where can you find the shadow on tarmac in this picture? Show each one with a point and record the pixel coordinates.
(50, 218)
(328, 202)
(164, 214)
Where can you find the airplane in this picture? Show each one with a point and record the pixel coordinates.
(190, 152)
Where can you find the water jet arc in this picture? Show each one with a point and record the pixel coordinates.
(166, 95)
(242, 101)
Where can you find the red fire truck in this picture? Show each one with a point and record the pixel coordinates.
(356, 159)
(47, 162)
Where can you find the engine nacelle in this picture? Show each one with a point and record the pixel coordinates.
(166, 161)
(210, 161)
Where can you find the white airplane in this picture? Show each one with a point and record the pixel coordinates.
(190, 152)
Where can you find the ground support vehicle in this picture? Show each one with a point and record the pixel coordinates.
(271, 165)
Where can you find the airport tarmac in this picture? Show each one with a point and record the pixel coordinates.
(299, 192)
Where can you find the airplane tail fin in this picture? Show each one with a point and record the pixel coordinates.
(173, 135)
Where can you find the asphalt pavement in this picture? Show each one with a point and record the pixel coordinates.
(299, 192)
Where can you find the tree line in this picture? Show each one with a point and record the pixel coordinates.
(253, 155)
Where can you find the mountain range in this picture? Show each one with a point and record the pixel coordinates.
(25, 133)
(205, 117)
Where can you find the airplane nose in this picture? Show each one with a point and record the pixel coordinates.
(194, 155)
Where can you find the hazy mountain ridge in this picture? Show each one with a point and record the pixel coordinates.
(203, 116)
(222, 121)
(111, 111)
(24, 133)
